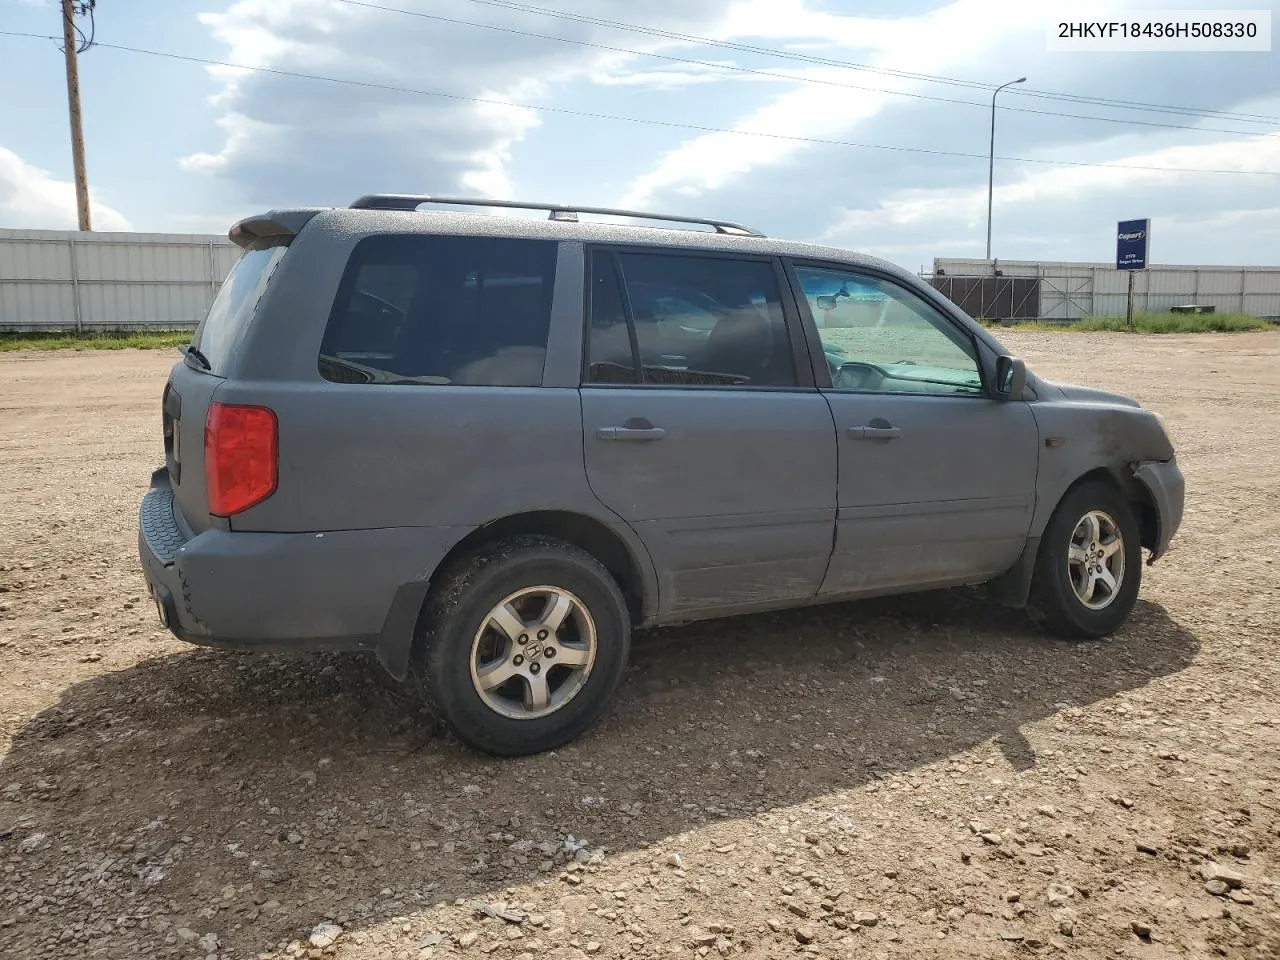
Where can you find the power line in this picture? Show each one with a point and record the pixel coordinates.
(906, 74)
(673, 124)
(85, 8)
(808, 58)
(1151, 107)
(726, 44)
(783, 76)
(88, 7)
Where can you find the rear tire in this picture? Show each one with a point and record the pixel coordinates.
(1089, 567)
(522, 645)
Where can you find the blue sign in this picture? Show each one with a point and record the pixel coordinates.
(1133, 241)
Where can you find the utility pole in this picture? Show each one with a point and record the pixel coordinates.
(69, 43)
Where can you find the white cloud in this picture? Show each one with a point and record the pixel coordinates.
(1069, 213)
(956, 35)
(285, 140)
(1058, 184)
(289, 139)
(243, 134)
(673, 78)
(32, 198)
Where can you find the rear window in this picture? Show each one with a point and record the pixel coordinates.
(224, 327)
(473, 311)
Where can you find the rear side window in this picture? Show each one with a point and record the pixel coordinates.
(674, 320)
(224, 327)
(473, 311)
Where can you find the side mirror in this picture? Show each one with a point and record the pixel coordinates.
(1011, 377)
(826, 303)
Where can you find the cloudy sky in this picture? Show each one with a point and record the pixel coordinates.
(481, 98)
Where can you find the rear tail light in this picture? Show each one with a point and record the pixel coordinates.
(241, 449)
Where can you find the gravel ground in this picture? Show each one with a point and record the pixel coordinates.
(921, 776)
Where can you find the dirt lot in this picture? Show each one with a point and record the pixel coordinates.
(916, 777)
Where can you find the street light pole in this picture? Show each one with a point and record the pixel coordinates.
(991, 157)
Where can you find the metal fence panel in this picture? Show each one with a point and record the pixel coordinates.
(36, 300)
(66, 280)
(1262, 294)
(992, 298)
(60, 280)
(1069, 291)
(159, 305)
(33, 261)
(136, 262)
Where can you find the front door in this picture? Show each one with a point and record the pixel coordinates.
(936, 477)
(701, 431)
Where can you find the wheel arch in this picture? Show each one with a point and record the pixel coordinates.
(603, 541)
(621, 552)
(1013, 587)
(1135, 492)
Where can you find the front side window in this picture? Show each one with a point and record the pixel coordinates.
(686, 321)
(473, 311)
(882, 338)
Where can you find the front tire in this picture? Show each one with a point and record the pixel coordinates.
(1089, 567)
(522, 645)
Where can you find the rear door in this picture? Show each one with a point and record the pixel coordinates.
(703, 432)
(937, 477)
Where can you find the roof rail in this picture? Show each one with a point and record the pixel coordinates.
(557, 211)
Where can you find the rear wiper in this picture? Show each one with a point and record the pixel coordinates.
(192, 353)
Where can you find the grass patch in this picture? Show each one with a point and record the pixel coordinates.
(94, 340)
(1153, 323)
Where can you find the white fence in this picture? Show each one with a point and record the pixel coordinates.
(68, 280)
(1068, 291)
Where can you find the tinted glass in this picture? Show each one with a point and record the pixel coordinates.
(703, 320)
(224, 327)
(442, 310)
(882, 338)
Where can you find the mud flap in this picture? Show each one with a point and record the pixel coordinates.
(395, 642)
(1012, 587)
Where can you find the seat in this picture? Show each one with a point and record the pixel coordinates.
(742, 343)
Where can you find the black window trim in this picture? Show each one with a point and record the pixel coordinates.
(791, 316)
(818, 358)
(628, 315)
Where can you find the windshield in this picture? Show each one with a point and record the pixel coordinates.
(223, 329)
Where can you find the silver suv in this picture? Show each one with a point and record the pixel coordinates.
(487, 448)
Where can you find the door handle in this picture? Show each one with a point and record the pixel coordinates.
(631, 433)
(875, 433)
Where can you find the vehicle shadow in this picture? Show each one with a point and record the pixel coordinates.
(257, 795)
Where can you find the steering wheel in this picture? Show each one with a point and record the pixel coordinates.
(858, 375)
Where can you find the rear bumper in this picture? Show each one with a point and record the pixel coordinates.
(281, 591)
(1164, 482)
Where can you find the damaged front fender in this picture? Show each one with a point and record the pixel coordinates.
(1166, 487)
